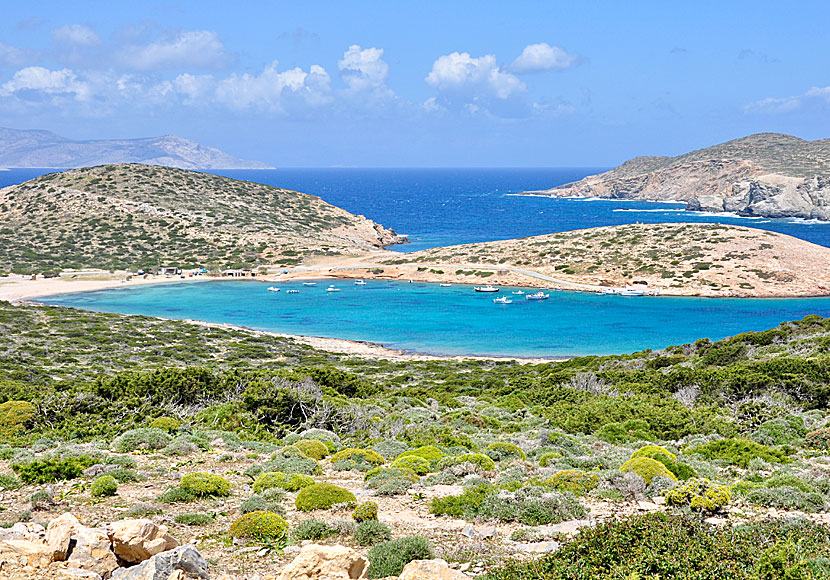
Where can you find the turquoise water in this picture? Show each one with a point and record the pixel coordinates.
(428, 318)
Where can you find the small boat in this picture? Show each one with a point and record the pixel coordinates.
(487, 288)
(332, 289)
(611, 291)
(292, 291)
(537, 296)
(445, 285)
(503, 300)
(309, 283)
(360, 283)
(632, 292)
(518, 293)
(273, 289)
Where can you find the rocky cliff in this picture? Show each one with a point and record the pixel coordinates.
(768, 175)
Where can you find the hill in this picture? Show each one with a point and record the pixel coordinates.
(768, 175)
(46, 149)
(131, 216)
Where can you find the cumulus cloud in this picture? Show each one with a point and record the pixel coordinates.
(774, 105)
(364, 71)
(542, 57)
(75, 34)
(197, 48)
(36, 81)
(274, 90)
(461, 73)
(12, 56)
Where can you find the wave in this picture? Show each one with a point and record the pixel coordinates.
(805, 221)
(651, 210)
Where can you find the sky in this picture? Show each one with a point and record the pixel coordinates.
(419, 84)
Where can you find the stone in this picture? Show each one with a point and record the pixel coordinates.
(79, 573)
(537, 547)
(469, 531)
(91, 550)
(59, 534)
(430, 570)
(137, 540)
(488, 532)
(326, 562)
(181, 563)
(31, 545)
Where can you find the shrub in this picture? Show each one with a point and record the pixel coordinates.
(365, 512)
(818, 439)
(371, 532)
(51, 470)
(203, 484)
(417, 464)
(655, 452)
(103, 486)
(429, 452)
(41, 499)
(739, 451)
(260, 526)
(549, 458)
(312, 529)
(194, 519)
(396, 486)
(124, 475)
(389, 558)
(257, 503)
(9, 481)
(180, 446)
(503, 450)
(379, 475)
(464, 506)
(575, 481)
(312, 448)
(292, 482)
(366, 455)
(647, 468)
(302, 465)
(787, 497)
(390, 448)
(625, 432)
(177, 495)
(322, 496)
(13, 414)
(780, 431)
(478, 459)
(700, 495)
(143, 439)
(168, 424)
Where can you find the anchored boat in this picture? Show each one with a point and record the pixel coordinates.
(487, 288)
(538, 296)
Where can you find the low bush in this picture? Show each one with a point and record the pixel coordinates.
(194, 519)
(366, 511)
(700, 495)
(52, 470)
(371, 532)
(818, 439)
(575, 481)
(260, 526)
(168, 424)
(417, 464)
(625, 432)
(142, 439)
(277, 479)
(258, 503)
(389, 558)
(390, 448)
(530, 505)
(740, 452)
(9, 482)
(312, 448)
(786, 497)
(480, 460)
(429, 452)
(366, 455)
(380, 475)
(322, 496)
(177, 495)
(123, 475)
(549, 458)
(103, 486)
(680, 470)
(13, 416)
(787, 430)
(312, 529)
(647, 468)
(504, 450)
(302, 465)
(203, 484)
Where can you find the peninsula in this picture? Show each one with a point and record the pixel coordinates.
(766, 175)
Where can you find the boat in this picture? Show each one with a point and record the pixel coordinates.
(360, 283)
(445, 285)
(632, 292)
(487, 288)
(292, 291)
(611, 291)
(503, 300)
(309, 283)
(538, 296)
(332, 289)
(518, 293)
(273, 289)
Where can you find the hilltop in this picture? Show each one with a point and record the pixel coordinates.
(46, 149)
(130, 216)
(768, 174)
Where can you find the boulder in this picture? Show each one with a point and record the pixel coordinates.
(137, 540)
(181, 563)
(31, 545)
(91, 551)
(430, 570)
(59, 534)
(316, 562)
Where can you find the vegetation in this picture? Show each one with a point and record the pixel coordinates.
(389, 558)
(322, 496)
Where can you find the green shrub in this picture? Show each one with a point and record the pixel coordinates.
(13, 415)
(380, 475)
(302, 465)
(312, 529)
(258, 503)
(390, 448)
(312, 448)
(429, 452)
(203, 484)
(480, 460)
(782, 562)
(780, 431)
(625, 431)
(575, 481)
(371, 532)
(818, 439)
(51, 470)
(194, 519)
(125, 475)
(9, 481)
(142, 439)
(177, 495)
(41, 499)
(389, 558)
(168, 424)
(260, 527)
(322, 496)
(272, 479)
(504, 450)
(647, 468)
(414, 463)
(103, 486)
(700, 495)
(739, 451)
(787, 497)
(549, 458)
(680, 470)
(353, 453)
(366, 511)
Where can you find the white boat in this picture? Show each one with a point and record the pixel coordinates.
(503, 300)
(518, 293)
(360, 283)
(632, 292)
(273, 289)
(309, 283)
(537, 296)
(332, 289)
(487, 288)
(292, 291)
(445, 285)
(611, 291)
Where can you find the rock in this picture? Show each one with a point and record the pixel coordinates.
(79, 573)
(488, 532)
(181, 563)
(59, 534)
(569, 527)
(430, 570)
(326, 562)
(91, 550)
(537, 547)
(31, 545)
(469, 531)
(137, 540)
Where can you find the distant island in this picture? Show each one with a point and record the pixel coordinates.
(46, 149)
(765, 175)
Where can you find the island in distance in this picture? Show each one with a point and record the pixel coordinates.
(765, 175)
(19, 148)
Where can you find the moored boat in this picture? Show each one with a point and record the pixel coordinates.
(537, 296)
(487, 288)
(360, 283)
(503, 300)
(309, 283)
(518, 292)
(292, 291)
(273, 289)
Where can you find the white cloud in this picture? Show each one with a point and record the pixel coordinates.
(198, 48)
(75, 34)
(42, 80)
(364, 71)
(773, 105)
(274, 90)
(541, 57)
(194, 88)
(460, 73)
(12, 56)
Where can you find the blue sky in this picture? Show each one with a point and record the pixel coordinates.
(376, 84)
